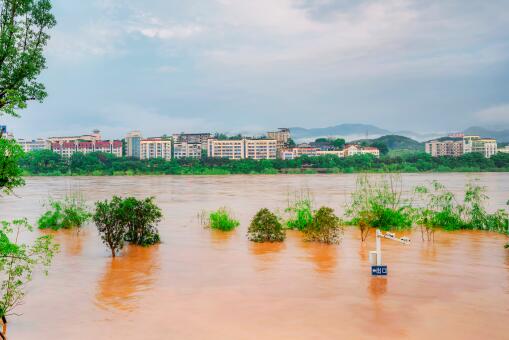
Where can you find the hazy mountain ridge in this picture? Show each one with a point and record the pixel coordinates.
(352, 132)
(395, 142)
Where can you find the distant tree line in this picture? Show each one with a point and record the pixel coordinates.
(46, 162)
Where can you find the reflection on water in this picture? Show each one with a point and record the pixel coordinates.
(126, 276)
(377, 287)
(219, 237)
(323, 256)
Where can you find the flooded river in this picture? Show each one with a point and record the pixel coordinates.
(200, 284)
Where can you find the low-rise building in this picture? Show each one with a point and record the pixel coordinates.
(187, 150)
(448, 147)
(34, 145)
(504, 149)
(338, 153)
(484, 146)
(67, 149)
(355, 149)
(156, 147)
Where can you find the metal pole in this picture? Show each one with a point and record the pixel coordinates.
(378, 247)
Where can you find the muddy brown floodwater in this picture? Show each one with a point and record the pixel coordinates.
(200, 284)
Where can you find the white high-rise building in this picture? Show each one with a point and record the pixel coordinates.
(155, 148)
(187, 150)
(242, 148)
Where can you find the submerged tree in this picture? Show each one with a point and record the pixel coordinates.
(325, 228)
(110, 224)
(24, 26)
(18, 261)
(265, 227)
(127, 220)
(141, 218)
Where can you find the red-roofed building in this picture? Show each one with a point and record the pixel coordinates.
(67, 149)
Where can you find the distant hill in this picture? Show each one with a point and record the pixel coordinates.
(342, 130)
(395, 142)
(501, 136)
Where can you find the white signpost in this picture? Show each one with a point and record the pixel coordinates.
(375, 257)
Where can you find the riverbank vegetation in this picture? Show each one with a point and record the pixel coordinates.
(48, 163)
(266, 227)
(122, 220)
(71, 212)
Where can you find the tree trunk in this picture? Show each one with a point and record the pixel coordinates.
(113, 252)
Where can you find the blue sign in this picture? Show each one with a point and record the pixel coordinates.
(379, 270)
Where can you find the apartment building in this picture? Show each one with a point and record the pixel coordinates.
(354, 149)
(34, 145)
(193, 138)
(133, 140)
(282, 136)
(449, 147)
(231, 149)
(156, 147)
(67, 149)
(485, 146)
(242, 148)
(187, 150)
(260, 148)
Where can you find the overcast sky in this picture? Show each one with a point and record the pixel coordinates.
(165, 66)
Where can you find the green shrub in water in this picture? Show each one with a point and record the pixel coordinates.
(325, 227)
(379, 204)
(221, 219)
(301, 214)
(265, 227)
(71, 212)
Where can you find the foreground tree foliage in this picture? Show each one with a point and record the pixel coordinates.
(325, 227)
(18, 261)
(10, 171)
(265, 227)
(127, 220)
(71, 212)
(24, 26)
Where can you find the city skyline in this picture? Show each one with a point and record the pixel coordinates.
(243, 66)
